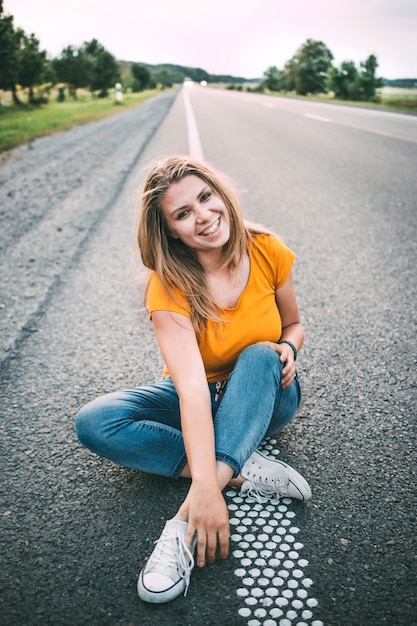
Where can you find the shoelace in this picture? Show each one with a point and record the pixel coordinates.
(262, 491)
(172, 550)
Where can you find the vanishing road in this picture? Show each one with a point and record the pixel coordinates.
(339, 185)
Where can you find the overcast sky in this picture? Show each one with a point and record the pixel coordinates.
(238, 37)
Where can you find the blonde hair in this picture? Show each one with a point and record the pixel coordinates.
(176, 264)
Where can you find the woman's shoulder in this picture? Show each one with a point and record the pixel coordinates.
(160, 297)
(270, 255)
(154, 284)
(268, 242)
(261, 232)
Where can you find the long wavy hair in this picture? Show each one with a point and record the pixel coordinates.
(176, 264)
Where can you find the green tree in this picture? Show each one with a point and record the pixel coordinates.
(9, 58)
(105, 70)
(368, 83)
(31, 62)
(349, 83)
(288, 75)
(141, 75)
(21, 61)
(343, 81)
(74, 68)
(271, 78)
(162, 77)
(49, 74)
(307, 70)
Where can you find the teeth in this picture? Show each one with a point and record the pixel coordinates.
(212, 229)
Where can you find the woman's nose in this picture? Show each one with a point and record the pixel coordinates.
(202, 215)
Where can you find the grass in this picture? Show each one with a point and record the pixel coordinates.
(23, 124)
(400, 99)
(392, 98)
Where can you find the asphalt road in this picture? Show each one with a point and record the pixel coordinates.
(339, 185)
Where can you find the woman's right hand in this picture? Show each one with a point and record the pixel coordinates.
(208, 516)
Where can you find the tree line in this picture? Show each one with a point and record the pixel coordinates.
(311, 71)
(24, 65)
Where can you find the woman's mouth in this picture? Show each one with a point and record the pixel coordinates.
(211, 230)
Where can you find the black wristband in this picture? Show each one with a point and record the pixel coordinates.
(292, 346)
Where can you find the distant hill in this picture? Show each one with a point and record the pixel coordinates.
(167, 73)
(170, 74)
(401, 82)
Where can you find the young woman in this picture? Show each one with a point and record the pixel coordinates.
(221, 298)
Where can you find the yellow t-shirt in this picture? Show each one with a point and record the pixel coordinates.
(255, 316)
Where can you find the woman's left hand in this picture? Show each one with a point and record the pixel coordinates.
(286, 356)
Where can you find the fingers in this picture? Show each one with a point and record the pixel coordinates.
(201, 549)
(288, 375)
(289, 370)
(224, 538)
(208, 522)
(286, 356)
(189, 537)
(211, 544)
(288, 378)
(204, 546)
(207, 545)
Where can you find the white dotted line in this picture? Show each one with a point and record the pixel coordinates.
(273, 587)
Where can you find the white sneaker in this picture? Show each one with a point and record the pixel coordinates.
(268, 478)
(167, 572)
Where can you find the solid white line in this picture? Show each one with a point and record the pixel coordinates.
(194, 143)
(320, 118)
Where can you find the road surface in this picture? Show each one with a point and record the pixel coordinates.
(338, 184)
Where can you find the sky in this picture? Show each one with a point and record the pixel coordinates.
(235, 37)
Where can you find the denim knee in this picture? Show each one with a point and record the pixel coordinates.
(89, 424)
(82, 426)
(259, 358)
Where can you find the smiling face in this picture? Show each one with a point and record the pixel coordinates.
(194, 214)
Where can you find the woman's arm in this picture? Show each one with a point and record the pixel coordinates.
(205, 508)
(292, 329)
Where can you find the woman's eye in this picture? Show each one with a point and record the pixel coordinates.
(206, 195)
(182, 214)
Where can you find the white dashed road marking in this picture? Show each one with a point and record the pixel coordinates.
(319, 118)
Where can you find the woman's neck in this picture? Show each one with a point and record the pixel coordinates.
(226, 285)
(212, 262)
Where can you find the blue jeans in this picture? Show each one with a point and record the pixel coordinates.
(141, 428)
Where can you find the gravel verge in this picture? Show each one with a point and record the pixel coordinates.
(51, 196)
